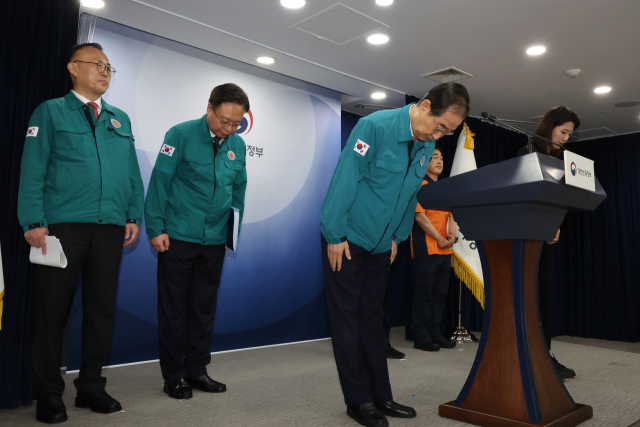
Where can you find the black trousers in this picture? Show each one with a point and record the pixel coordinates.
(96, 251)
(354, 304)
(431, 277)
(386, 303)
(188, 281)
(545, 291)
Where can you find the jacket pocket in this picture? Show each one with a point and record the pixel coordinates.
(231, 171)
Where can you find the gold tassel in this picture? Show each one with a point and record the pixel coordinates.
(465, 273)
(468, 142)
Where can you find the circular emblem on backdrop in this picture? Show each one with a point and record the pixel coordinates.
(246, 124)
(573, 168)
(115, 123)
(231, 155)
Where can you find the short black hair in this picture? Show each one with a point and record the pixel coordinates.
(438, 147)
(448, 97)
(77, 47)
(229, 92)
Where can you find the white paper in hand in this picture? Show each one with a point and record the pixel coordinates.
(55, 255)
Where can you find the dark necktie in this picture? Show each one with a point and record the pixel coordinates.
(95, 108)
(216, 143)
(410, 147)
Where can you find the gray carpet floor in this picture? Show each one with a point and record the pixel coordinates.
(297, 385)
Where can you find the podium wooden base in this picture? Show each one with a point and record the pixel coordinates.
(513, 381)
(575, 416)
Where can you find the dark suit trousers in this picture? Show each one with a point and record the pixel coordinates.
(386, 303)
(431, 277)
(188, 281)
(354, 304)
(94, 250)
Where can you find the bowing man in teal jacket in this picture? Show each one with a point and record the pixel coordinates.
(200, 173)
(79, 182)
(368, 209)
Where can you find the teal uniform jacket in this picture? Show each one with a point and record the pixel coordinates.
(372, 197)
(190, 192)
(68, 176)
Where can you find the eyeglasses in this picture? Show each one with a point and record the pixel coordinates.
(227, 124)
(101, 67)
(443, 132)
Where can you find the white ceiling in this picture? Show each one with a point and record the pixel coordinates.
(485, 38)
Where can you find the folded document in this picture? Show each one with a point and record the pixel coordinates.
(55, 255)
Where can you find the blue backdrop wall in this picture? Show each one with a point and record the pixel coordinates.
(272, 287)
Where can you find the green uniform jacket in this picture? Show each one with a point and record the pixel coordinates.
(190, 192)
(372, 197)
(69, 176)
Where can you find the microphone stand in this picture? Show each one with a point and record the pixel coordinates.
(493, 119)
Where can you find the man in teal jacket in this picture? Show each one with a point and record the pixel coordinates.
(368, 209)
(79, 182)
(199, 175)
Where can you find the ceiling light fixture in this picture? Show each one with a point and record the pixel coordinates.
(378, 95)
(384, 2)
(602, 89)
(292, 4)
(536, 50)
(377, 39)
(266, 60)
(94, 4)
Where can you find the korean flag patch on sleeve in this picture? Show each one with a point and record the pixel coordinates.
(32, 131)
(361, 147)
(167, 149)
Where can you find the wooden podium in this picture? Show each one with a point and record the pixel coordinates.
(510, 208)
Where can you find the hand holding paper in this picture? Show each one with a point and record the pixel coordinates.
(55, 255)
(36, 237)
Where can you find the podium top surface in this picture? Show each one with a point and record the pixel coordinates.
(533, 178)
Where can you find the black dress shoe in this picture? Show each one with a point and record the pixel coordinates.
(205, 383)
(445, 343)
(392, 353)
(426, 345)
(178, 389)
(50, 409)
(397, 410)
(563, 371)
(367, 415)
(99, 401)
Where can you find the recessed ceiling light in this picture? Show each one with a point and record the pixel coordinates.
(536, 50)
(292, 4)
(384, 2)
(377, 39)
(266, 60)
(96, 4)
(602, 89)
(378, 95)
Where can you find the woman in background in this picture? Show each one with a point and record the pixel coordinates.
(557, 125)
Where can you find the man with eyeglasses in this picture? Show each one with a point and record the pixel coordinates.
(200, 173)
(368, 210)
(79, 182)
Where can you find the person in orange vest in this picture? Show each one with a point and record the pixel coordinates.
(433, 235)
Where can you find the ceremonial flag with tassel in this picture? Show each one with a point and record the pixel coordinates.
(1, 288)
(466, 260)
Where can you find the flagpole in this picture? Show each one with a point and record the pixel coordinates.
(461, 336)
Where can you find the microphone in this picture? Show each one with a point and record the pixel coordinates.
(493, 119)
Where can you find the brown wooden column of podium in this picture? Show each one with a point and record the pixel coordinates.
(510, 208)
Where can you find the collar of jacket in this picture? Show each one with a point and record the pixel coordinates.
(404, 128)
(203, 130)
(76, 104)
